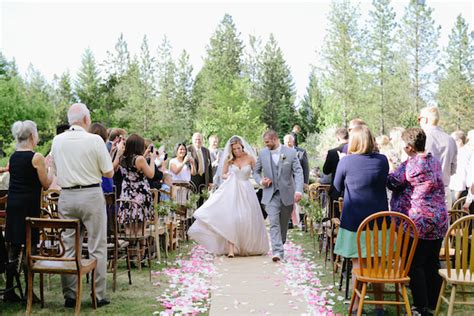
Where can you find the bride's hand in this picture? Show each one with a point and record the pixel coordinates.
(226, 176)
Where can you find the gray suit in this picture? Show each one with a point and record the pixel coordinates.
(278, 198)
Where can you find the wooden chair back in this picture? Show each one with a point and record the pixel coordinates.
(313, 191)
(390, 257)
(454, 215)
(460, 234)
(457, 205)
(111, 209)
(51, 231)
(181, 191)
(50, 201)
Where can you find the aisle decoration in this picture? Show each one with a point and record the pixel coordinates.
(189, 284)
(302, 281)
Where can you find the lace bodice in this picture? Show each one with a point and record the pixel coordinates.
(241, 173)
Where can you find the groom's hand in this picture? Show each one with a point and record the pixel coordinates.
(297, 197)
(266, 182)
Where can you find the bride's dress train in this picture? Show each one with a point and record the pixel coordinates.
(232, 214)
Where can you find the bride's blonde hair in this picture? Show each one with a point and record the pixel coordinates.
(234, 140)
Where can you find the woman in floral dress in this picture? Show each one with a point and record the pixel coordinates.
(135, 186)
(418, 192)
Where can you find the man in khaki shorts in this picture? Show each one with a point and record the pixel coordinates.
(80, 160)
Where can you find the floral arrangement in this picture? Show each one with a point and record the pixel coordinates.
(312, 208)
(166, 207)
(192, 200)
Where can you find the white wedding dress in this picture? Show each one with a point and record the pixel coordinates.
(232, 213)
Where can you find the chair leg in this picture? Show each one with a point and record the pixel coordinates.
(341, 278)
(94, 296)
(362, 299)
(148, 247)
(440, 296)
(463, 293)
(29, 300)
(405, 299)
(354, 295)
(41, 290)
(348, 276)
(129, 267)
(158, 246)
(397, 296)
(451, 300)
(78, 295)
(114, 271)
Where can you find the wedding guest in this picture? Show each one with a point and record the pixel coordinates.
(114, 136)
(80, 160)
(61, 128)
(440, 145)
(135, 170)
(330, 166)
(155, 182)
(182, 165)
(295, 132)
(399, 155)
(214, 152)
(99, 129)
(352, 124)
(202, 179)
(289, 141)
(28, 174)
(166, 187)
(457, 183)
(362, 174)
(418, 191)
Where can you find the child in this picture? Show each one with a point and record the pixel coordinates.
(166, 187)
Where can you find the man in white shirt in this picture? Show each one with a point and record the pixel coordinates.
(440, 145)
(80, 160)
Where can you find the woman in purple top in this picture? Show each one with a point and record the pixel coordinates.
(418, 191)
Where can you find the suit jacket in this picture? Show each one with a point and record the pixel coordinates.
(206, 156)
(303, 158)
(330, 167)
(289, 177)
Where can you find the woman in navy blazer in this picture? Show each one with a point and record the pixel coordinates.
(362, 175)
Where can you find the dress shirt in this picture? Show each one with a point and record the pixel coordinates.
(276, 155)
(443, 147)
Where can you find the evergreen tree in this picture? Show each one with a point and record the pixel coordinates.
(342, 58)
(88, 85)
(380, 55)
(456, 88)
(419, 42)
(63, 96)
(276, 89)
(311, 106)
(184, 107)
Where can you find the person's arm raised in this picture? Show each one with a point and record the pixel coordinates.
(148, 169)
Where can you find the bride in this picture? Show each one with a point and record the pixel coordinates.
(231, 221)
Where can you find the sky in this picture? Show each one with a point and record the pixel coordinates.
(52, 35)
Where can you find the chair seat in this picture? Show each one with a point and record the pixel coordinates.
(121, 244)
(377, 279)
(59, 267)
(457, 278)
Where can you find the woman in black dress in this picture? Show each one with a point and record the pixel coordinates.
(28, 173)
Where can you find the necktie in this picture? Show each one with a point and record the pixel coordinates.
(200, 161)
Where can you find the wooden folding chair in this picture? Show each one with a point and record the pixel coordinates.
(461, 273)
(388, 260)
(135, 233)
(458, 204)
(55, 262)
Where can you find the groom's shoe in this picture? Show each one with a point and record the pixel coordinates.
(276, 258)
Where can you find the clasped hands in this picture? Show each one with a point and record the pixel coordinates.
(266, 182)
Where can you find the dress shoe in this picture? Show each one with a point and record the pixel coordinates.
(276, 258)
(103, 302)
(69, 302)
(11, 296)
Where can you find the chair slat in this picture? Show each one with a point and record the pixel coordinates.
(390, 248)
(465, 242)
(398, 251)
(457, 263)
(368, 253)
(384, 248)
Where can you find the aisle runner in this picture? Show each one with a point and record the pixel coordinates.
(189, 284)
(245, 286)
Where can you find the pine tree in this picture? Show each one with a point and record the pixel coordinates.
(419, 42)
(276, 89)
(380, 55)
(456, 88)
(63, 96)
(88, 87)
(311, 106)
(184, 107)
(342, 58)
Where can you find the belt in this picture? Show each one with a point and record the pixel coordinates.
(83, 186)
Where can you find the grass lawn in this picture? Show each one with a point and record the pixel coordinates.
(135, 299)
(139, 298)
(341, 307)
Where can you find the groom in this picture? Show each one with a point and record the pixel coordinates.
(282, 187)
